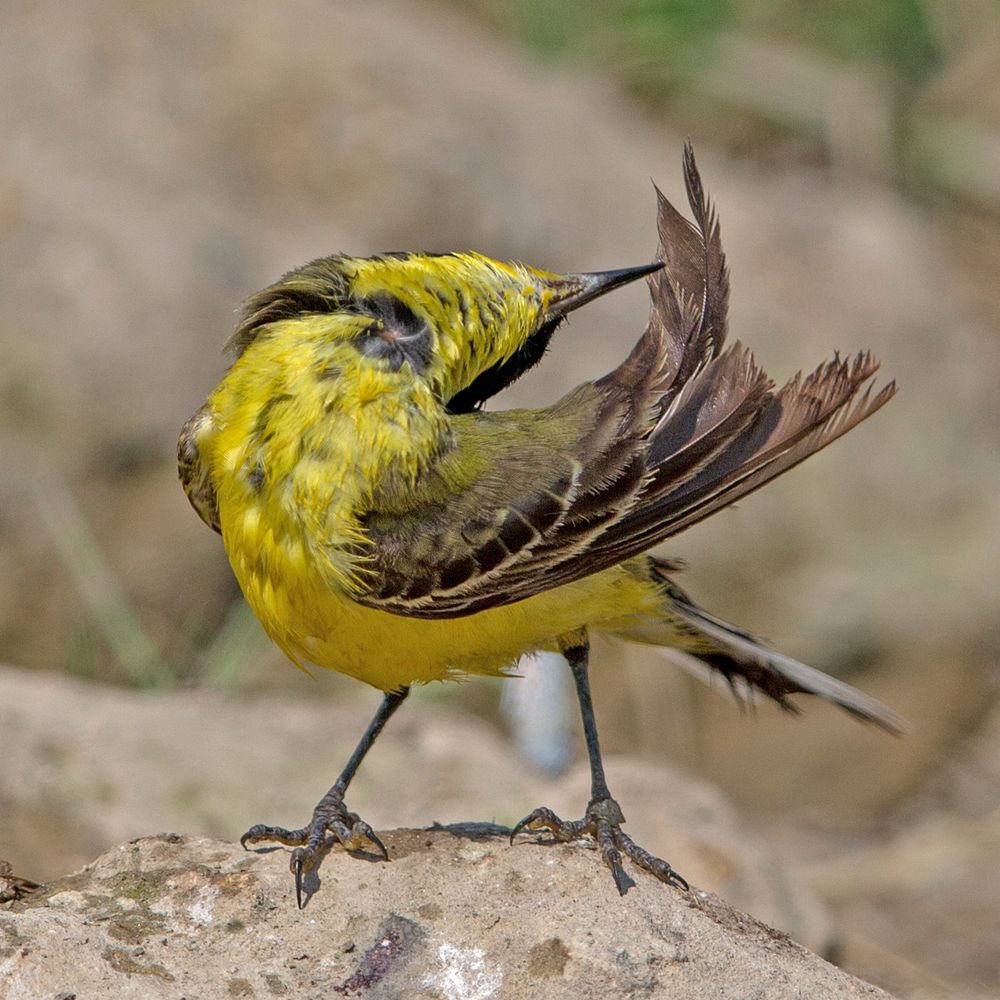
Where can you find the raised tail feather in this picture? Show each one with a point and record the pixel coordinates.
(688, 424)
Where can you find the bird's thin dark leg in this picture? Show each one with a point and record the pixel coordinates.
(390, 703)
(578, 658)
(330, 813)
(603, 819)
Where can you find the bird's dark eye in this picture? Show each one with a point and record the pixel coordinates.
(396, 334)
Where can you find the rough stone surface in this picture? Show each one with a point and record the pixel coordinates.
(88, 766)
(456, 915)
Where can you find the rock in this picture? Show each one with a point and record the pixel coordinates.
(87, 766)
(458, 915)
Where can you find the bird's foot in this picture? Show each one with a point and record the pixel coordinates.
(311, 842)
(602, 822)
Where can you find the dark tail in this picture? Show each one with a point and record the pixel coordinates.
(750, 667)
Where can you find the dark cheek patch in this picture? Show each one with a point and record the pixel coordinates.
(381, 346)
(396, 334)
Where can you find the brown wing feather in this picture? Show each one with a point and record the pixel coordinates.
(682, 427)
(484, 507)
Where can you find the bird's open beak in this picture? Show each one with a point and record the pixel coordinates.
(575, 290)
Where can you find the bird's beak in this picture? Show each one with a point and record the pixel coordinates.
(574, 290)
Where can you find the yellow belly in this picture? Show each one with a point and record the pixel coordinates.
(316, 624)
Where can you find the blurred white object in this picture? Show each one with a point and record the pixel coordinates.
(539, 705)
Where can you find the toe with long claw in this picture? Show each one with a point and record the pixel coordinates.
(602, 823)
(311, 842)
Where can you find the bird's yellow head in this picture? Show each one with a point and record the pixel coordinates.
(465, 324)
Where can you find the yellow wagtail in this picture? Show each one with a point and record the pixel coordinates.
(382, 524)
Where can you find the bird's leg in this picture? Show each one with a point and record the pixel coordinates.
(603, 819)
(330, 814)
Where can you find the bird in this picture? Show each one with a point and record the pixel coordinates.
(382, 523)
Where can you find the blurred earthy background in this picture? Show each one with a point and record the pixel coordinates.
(160, 162)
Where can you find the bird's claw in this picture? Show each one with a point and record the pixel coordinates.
(311, 842)
(544, 819)
(602, 822)
(298, 865)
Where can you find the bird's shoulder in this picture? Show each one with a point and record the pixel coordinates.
(506, 485)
